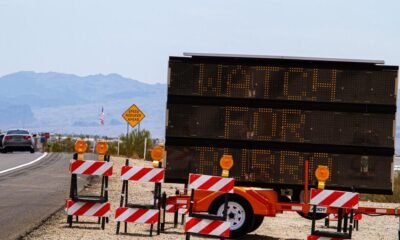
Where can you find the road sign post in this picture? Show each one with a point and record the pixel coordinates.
(133, 116)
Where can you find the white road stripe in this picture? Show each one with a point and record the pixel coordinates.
(24, 165)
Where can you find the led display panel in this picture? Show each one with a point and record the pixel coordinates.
(272, 114)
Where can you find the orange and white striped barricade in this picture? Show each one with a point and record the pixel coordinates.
(216, 228)
(178, 205)
(334, 199)
(140, 213)
(89, 203)
(87, 209)
(322, 238)
(208, 224)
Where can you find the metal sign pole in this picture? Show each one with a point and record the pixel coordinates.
(145, 148)
(118, 146)
(127, 137)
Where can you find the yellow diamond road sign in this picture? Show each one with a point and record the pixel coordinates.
(133, 115)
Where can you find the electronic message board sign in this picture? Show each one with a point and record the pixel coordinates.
(271, 114)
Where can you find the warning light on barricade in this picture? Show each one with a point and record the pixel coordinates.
(226, 163)
(101, 148)
(322, 174)
(157, 154)
(80, 148)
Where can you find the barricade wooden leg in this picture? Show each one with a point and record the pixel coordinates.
(327, 221)
(102, 187)
(98, 220)
(176, 218)
(126, 193)
(345, 219)
(164, 199)
(72, 187)
(340, 218)
(314, 214)
(151, 230)
(187, 236)
(118, 225)
(159, 212)
(356, 225)
(76, 218)
(106, 187)
(69, 220)
(351, 220)
(158, 225)
(225, 212)
(103, 222)
(126, 203)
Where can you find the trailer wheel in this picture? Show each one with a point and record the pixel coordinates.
(240, 214)
(258, 220)
(298, 196)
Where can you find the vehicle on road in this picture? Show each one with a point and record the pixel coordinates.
(1, 141)
(18, 140)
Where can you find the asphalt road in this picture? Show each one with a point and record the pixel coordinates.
(10, 160)
(31, 194)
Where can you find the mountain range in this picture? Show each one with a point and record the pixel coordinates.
(67, 103)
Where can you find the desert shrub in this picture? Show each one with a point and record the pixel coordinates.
(133, 144)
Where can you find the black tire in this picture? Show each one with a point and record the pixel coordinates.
(241, 206)
(298, 197)
(258, 220)
(32, 151)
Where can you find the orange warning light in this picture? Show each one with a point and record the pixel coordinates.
(157, 153)
(226, 162)
(322, 174)
(101, 147)
(80, 146)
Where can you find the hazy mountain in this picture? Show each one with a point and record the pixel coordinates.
(69, 103)
(66, 103)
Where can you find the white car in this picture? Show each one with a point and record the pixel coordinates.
(18, 140)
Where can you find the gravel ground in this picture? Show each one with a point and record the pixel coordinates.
(284, 226)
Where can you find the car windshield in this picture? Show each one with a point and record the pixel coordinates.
(17, 132)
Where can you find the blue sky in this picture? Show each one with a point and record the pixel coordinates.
(135, 38)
